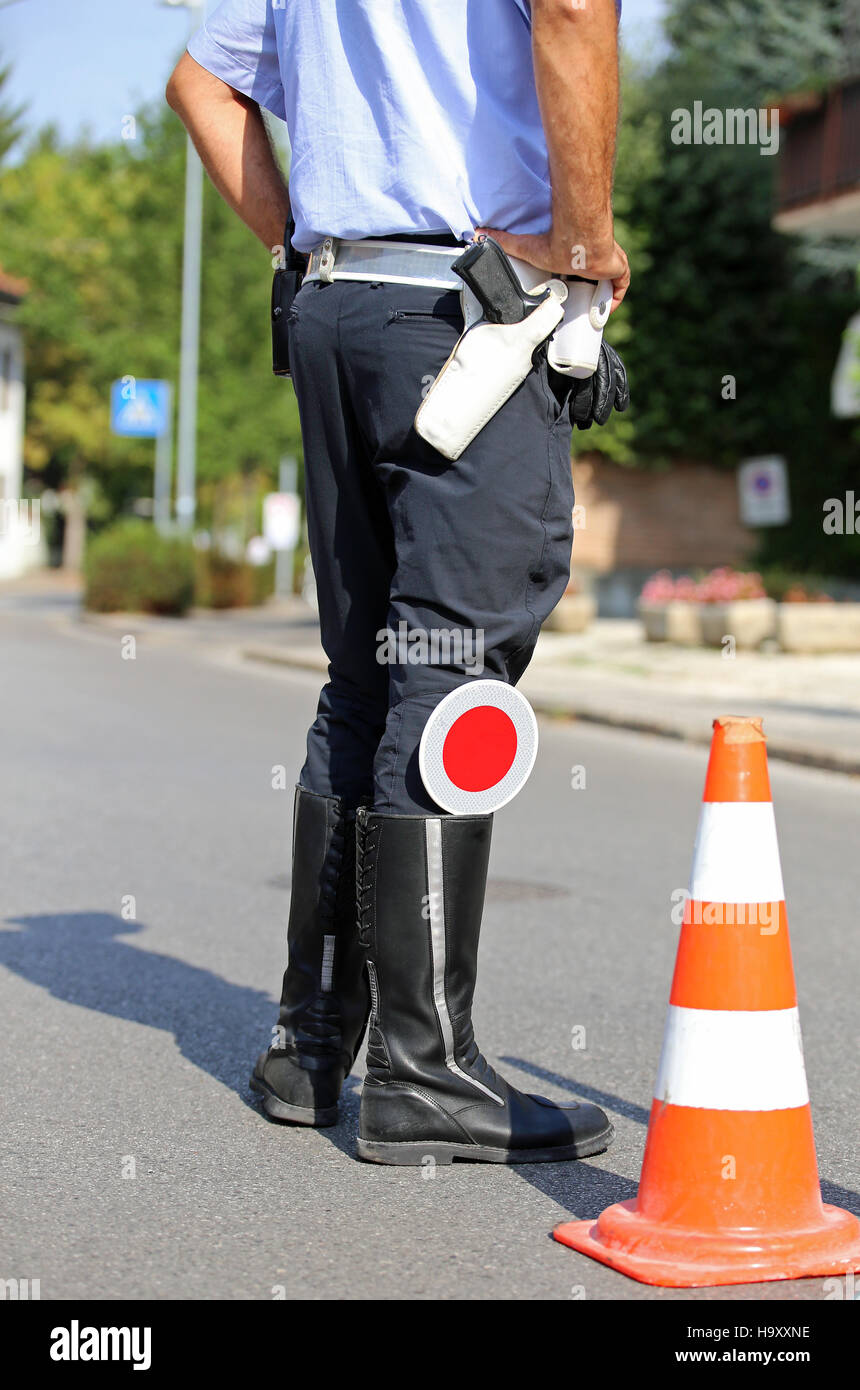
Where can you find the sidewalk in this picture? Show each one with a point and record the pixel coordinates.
(607, 675)
(610, 675)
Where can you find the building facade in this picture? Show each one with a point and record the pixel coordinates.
(19, 520)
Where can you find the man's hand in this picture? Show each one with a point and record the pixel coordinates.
(575, 49)
(549, 252)
(231, 139)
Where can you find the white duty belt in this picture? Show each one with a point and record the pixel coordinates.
(489, 360)
(575, 345)
(396, 262)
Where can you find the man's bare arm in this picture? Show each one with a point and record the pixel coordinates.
(231, 139)
(575, 51)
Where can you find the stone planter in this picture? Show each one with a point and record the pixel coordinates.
(677, 621)
(749, 621)
(653, 617)
(574, 613)
(819, 627)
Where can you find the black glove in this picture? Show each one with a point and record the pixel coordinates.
(593, 397)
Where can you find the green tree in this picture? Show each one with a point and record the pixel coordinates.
(10, 117)
(760, 48)
(638, 163)
(734, 332)
(97, 231)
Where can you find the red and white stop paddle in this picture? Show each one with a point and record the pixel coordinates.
(478, 747)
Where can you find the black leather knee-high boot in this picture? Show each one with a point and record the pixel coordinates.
(325, 999)
(429, 1093)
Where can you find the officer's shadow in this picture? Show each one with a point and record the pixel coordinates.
(82, 958)
(220, 1027)
(601, 1187)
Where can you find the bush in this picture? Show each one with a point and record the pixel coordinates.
(263, 581)
(131, 568)
(221, 582)
(224, 583)
(787, 586)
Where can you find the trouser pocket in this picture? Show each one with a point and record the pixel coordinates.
(558, 388)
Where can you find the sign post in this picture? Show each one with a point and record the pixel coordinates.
(281, 516)
(141, 409)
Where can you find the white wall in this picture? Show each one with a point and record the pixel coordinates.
(19, 529)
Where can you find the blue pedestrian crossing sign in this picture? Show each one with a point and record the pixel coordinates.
(139, 408)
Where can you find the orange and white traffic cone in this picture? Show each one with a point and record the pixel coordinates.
(729, 1192)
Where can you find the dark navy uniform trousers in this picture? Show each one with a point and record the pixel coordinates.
(403, 541)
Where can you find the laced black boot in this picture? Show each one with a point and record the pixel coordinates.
(325, 999)
(429, 1093)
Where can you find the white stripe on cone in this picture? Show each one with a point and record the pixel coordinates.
(736, 855)
(732, 1059)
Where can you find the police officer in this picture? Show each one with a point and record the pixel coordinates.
(414, 124)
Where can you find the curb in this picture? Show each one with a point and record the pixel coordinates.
(783, 751)
(311, 660)
(552, 707)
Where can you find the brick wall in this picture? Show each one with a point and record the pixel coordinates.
(684, 517)
(632, 522)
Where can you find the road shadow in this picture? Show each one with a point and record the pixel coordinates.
(580, 1188)
(606, 1099)
(82, 958)
(619, 1189)
(838, 1196)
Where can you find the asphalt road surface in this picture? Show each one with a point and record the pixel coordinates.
(145, 885)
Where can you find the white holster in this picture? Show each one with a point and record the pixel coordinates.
(489, 362)
(574, 348)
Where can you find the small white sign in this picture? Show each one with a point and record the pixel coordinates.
(845, 387)
(763, 492)
(281, 519)
(258, 551)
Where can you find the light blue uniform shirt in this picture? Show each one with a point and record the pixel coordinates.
(403, 115)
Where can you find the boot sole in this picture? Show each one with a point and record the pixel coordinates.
(292, 1114)
(414, 1155)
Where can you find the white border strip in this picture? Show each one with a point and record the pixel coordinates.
(732, 1059)
(736, 855)
(436, 901)
(431, 762)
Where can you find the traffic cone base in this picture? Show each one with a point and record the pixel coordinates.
(648, 1251)
(683, 1234)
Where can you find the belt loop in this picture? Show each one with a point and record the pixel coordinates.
(328, 254)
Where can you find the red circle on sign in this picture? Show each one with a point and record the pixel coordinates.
(479, 748)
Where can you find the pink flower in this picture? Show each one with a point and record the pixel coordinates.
(685, 588)
(662, 588)
(726, 585)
